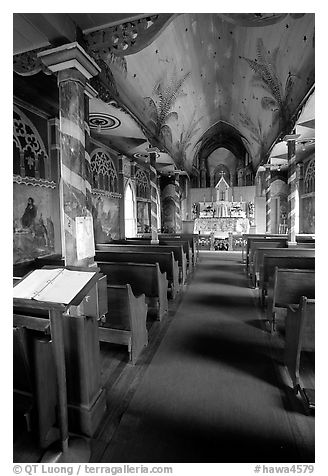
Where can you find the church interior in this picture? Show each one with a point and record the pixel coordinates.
(163, 237)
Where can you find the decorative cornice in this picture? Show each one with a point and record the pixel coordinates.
(28, 63)
(34, 182)
(96, 191)
(129, 37)
(70, 55)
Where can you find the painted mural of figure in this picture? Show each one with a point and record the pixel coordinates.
(29, 214)
(41, 233)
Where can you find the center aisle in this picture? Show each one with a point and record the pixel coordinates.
(211, 392)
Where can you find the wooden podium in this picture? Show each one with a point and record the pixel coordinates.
(73, 330)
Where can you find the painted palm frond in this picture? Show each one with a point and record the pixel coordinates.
(185, 141)
(164, 97)
(118, 61)
(266, 76)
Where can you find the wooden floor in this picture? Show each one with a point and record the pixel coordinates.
(210, 386)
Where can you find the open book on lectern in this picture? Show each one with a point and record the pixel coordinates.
(52, 285)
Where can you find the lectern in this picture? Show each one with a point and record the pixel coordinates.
(66, 302)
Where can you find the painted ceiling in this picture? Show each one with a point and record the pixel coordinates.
(190, 84)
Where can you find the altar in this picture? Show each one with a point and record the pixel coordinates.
(221, 227)
(223, 216)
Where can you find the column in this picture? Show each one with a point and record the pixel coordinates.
(153, 197)
(202, 173)
(268, 200)
(178, 220)
(85, 395)
(292, 188)
(74, 67)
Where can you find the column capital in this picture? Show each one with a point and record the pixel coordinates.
(71, 55)
(291, 137)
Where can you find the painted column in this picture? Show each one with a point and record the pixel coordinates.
(74, 68)
(153, 197)
(268, 200)
(178, 220)
(202, 173)
(86, 397)
(292, 188)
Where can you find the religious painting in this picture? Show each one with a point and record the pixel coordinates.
(105, 213)
(33, 224)
(308, 207)
(143, 217)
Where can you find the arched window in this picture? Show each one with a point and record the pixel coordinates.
(104, 176)
(142, 184)
(30, 156)
(309, 179)
(129, 212)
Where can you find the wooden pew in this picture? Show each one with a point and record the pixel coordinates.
(263, 249)
(35, 394)
(263, 238)
(305, 238)
(288, 287)
(163, 242)
(126, 320)
(254, 245)
(248, 237)
(192, 238)
(143, 278)
(300, 336)
(166, 262)
(283, 258)
(178, 252)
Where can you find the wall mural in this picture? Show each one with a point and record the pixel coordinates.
(33, 227)
(256, 133)
(105, 213)
(184, 142)
(267, 77)
(308, 207)
(159, 109)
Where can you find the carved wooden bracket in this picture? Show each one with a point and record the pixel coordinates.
(128, 38)
(28, 63)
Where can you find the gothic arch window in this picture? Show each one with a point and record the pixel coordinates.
(309, 179)
(142, 184)
(104, 176)
(30, 156)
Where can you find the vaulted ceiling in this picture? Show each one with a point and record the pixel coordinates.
(188, 83)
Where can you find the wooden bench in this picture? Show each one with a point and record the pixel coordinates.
(252, 239)
(254, 245)
(300, 336)
(144, 279)
(166, 262)
(163, 242)
(126, 320)
(274, 251)
(190, 237)
(35, 394)
(288, 287)
(177, 250)
(248, 237)
(282, 258)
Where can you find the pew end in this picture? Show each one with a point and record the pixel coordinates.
(300, 337)
(125, 323)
